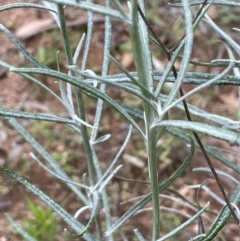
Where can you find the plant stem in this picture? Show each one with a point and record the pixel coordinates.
(143, 62)
(80, 102)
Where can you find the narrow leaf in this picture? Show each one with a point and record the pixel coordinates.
(213, 131)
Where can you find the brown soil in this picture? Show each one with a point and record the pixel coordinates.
(18, 93)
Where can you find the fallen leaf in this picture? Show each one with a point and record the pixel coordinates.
(127, 59)
(34, 27)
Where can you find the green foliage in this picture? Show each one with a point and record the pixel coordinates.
(42, 223)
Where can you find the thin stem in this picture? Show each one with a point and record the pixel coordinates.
(80, 102)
